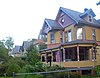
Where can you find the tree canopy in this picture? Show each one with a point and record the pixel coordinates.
(9, 42)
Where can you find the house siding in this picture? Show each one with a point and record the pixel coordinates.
(88, 33)
(98, 34)
(57, 40)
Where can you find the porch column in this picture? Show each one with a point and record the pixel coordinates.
(51, 56)
(41, 57)
(46, 57)
(78, 58)
(60, 56)
(63, 54)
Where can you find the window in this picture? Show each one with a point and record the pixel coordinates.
(93, 34)
(62, 20)
(84, 53)
(68, 36)
(71, 54)
(79, 33)
(90, 18)
(52, 38)
(61, 37)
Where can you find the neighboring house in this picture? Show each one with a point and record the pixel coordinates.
(15, 52)
(21, 51)
(25, 46)
(40, 44)
(73, 40)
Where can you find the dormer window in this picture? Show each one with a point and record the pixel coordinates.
(90, 18)
(62, 20)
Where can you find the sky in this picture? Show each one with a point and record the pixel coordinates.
(23, 19)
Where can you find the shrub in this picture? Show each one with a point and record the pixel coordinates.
(97, 70)
(31, 76)
(3, 68)
(55, 67)
(12, 68)
(62, 75)
(75, 75)
(27, 69)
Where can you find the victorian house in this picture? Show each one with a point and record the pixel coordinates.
(73, 40)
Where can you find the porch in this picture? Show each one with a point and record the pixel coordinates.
(69, 56)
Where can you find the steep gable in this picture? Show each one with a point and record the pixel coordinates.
(78, 17)
(63, 19)
(50, 24)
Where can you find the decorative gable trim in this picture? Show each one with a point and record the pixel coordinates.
(62, 9)
(46, 27)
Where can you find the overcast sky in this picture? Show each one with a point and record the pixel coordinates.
(23, 19)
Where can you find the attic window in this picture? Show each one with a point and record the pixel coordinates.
(62, 20)
(90, 18)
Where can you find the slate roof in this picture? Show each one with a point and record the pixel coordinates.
(87, 12)
(74, 15)
(26, 44)
(16, 49)
(53, 24)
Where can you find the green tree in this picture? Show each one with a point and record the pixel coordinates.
(2, 43)
(32, 55)
(9, 42)
(12, 68)
(3, 59)
(3, 54)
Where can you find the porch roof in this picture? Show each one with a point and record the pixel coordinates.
(69, 43)
(47, 49)
(79, 42)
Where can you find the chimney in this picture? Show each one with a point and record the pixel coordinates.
(85, 9)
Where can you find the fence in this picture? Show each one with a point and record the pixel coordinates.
(19, 74)
(50, 72)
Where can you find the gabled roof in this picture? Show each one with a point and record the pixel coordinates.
(16, 49)
(76, 16)
(26, 44)
(53, 24)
